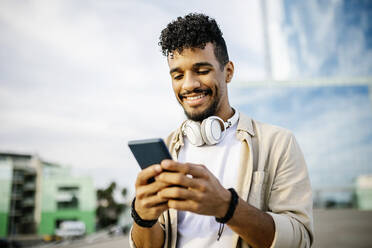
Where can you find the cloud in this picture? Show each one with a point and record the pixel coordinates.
(327, 39)
(332, 125)
(280, 51)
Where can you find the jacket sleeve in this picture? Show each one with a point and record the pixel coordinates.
(290, 199)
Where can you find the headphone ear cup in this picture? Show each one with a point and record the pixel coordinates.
(203, 132)
(211, 130)
(193, 133)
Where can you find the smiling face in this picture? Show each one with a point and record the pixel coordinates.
(199, 83)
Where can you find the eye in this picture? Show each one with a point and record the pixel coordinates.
(178, 76)
(203, 71)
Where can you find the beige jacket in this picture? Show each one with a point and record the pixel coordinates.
(272, 177)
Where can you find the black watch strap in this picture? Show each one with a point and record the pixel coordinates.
(232, 207)
(139, 221)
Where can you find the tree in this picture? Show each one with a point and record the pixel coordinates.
(108, 209)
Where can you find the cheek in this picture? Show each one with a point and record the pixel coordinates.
(175, 88)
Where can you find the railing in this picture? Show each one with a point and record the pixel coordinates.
(28, 202)
(29, 186)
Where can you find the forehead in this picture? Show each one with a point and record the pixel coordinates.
(190, 56)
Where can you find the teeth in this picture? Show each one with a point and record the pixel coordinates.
(195, 97)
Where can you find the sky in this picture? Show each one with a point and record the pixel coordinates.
(329, 38)
(79, 79)
(332, 125)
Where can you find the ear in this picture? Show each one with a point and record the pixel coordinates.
(229, 71)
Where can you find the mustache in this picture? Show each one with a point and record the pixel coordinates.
(196, 91)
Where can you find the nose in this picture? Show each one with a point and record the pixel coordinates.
(190, 82)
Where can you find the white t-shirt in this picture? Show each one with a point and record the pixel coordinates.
(222, 160)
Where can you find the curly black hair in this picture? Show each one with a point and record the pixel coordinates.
(194, 31)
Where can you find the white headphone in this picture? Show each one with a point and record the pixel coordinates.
(209, 131)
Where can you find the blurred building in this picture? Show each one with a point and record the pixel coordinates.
(37, 196)
(364, 192)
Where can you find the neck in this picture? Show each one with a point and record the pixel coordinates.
(226, 114)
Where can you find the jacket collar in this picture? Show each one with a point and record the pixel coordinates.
(245, 124)
(177, 139)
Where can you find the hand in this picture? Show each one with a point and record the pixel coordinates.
(149, 204)
(201, 194)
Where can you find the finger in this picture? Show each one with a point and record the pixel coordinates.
(179, 193)
(148, 173)
(196, 170)
(172, 178)
(161, 208)
(150, 189)
(184, 205)
(151, 201)
(171, 165)
(151, 212)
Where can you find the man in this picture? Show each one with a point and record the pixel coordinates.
(269, 200)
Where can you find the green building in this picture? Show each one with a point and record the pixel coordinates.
(37, 196)
(66, 198)
(6, 174)
(18, 194)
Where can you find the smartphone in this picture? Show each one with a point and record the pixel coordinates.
(149, 151)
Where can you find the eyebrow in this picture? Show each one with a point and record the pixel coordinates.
(174, 70)
(201, 64)
(194, 66)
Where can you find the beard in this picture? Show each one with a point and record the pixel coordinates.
(210, 111)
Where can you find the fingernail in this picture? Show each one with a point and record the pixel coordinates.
(165, 163)
(157, 168)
